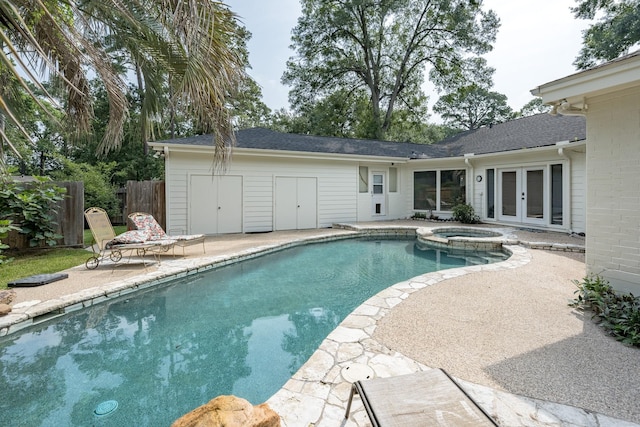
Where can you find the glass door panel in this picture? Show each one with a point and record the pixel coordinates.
(535, 194)
(378, 194)
(509, 193)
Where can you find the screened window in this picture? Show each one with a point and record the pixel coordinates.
(452, 188)
(439, 190)
(378, 184)
(424, 190)
(363, 173)
(491, 193)
(393, 180)
(556, 194)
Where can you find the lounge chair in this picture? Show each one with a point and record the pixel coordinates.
(147, 223)
(108, 245)
(426, 398)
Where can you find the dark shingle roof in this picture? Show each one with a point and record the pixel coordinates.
(528, 132)
(267, 139)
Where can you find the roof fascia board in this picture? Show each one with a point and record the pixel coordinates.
(256, 152)
(616, 75)
(511, 153)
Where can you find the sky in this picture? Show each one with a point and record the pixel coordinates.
(537, 42)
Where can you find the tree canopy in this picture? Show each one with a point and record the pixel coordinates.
(383, 48)
(616, 31)
(472, 106)
(183, 49)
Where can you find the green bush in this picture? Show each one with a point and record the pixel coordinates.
(617, 313)
(98, 190)
(5, 227)
(31, 207)
(465, 214)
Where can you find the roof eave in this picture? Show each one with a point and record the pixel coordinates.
(258, 152)
(574, 89)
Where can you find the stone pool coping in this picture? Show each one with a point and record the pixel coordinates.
(316, 395)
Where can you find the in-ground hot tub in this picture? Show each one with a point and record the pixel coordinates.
(464, 238)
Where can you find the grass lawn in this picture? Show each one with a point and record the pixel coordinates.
(44, 261)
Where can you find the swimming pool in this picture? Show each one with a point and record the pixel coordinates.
(243, 329)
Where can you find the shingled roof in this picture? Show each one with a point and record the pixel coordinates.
(540, 130)
(528, 132)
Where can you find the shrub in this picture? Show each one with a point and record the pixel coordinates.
(98, 190)
(617, 313)
(5, 227)
(465, 214)
(32, 207)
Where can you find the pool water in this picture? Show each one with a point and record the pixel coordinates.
(244, 329)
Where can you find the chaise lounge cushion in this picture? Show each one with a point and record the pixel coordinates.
(129, 237)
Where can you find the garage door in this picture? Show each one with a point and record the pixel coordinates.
(215, 204)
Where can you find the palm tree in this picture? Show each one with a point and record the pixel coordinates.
(188, 47)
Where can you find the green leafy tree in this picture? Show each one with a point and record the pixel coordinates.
(533, 107)
(617, 30)
(383, 47)
(419, 133)
(98, 188)
(247, 108)
(471, 107)
(190, 41)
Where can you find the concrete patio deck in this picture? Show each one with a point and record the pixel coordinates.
(316, 395)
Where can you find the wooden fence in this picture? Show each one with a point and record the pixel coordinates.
(149, 197)
(70, 219)
(141, 196)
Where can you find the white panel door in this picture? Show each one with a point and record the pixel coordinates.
(286, 203)
(307, 203)
(230, 204)
(203, 205)
(296, 205)
(215, 204)
(378, 194)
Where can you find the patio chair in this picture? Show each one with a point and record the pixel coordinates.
(426, 398)
(146, 222)
(109, 246)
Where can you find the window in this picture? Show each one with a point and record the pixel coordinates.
(378, 184)
(424, 190)
(363, 172)
(431, 193)
(491, 193)
(393, 180)
(452, 189)
(556, 194)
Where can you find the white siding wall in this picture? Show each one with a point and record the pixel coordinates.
(578, 189)
(476, 191)
(337, 187)
(395, 202)
(613, 190)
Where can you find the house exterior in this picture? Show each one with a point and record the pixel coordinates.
(609, 97)
(526, 172)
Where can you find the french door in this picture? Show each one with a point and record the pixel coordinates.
(522, 193)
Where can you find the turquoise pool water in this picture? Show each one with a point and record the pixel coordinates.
(244, 329)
